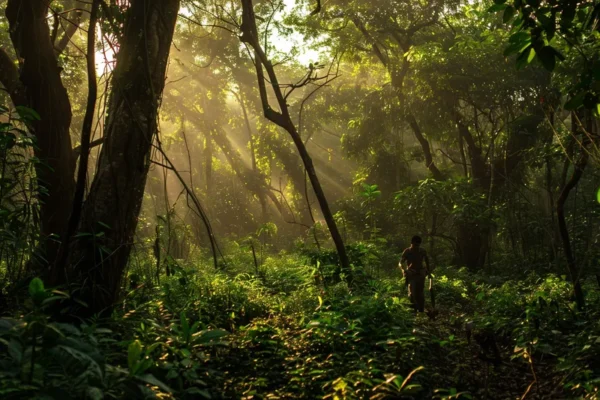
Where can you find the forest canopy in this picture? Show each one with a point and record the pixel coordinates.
(342, 199)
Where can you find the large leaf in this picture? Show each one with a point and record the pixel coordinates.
(36, 286)
(134, 351)
(525, 57)
(575, 102)
(85, 362)
(206, 337)
(27, 114)
(150, 379)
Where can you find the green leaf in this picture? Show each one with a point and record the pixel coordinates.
(496, 7)
(520, 37)
(198, 392)
(520, 43)
(509, 13)
(598, 195)
(147, 378)
(134, 351)
(204, 337)
(27, 114)
(547, 56)
(52, 299)
(94, 393)
(15, 350)
(36, 286)
(525, 57)
(575, 102)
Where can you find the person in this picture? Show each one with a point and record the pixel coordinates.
(415, 268)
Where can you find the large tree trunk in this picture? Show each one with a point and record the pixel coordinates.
(44, 93)
(116, 193)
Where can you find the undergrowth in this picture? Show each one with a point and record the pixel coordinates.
(286, 332)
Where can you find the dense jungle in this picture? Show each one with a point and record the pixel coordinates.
(299, 199)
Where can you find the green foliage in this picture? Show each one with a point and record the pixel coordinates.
(561, 31)
(45, 359)
(18, 189)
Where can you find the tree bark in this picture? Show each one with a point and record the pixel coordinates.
(208, 162)
(70, 27)
(435, 172)
(9, 78)
(479, 170)
(295, 172)
(283, 119)
(111, 210)
(579, 167)
(86, 134)
(44, 93)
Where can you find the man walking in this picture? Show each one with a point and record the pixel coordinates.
(415, 268)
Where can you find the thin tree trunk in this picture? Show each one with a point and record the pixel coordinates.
(250, 36)
(208, 158)
(463, 158)
(398, 75)
(437, 175)
(116, 193)
(295, 173)
(86, 134)
(579, 167)
(251, 179)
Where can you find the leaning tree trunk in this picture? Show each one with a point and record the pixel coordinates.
(578, 169)
(44, 93)
(111, 210)
(283, 119)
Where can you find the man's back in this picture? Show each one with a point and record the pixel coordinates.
(414, 257)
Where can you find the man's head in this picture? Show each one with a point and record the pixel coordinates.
(416, 241)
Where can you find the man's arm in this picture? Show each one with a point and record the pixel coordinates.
(402, 263)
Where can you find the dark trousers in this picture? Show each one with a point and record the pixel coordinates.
(416, 292)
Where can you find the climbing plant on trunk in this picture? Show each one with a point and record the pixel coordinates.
(111, 209)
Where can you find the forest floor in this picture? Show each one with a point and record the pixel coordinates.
(217, 335)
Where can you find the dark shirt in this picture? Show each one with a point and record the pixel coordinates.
(413, 259)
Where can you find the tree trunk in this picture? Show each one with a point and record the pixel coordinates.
(283, 119)
(295, 173)
(208, 162)
(251, 178)
(412, 121)
(45, 93)
(116, 193)
(86, 134)
(579, 167)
